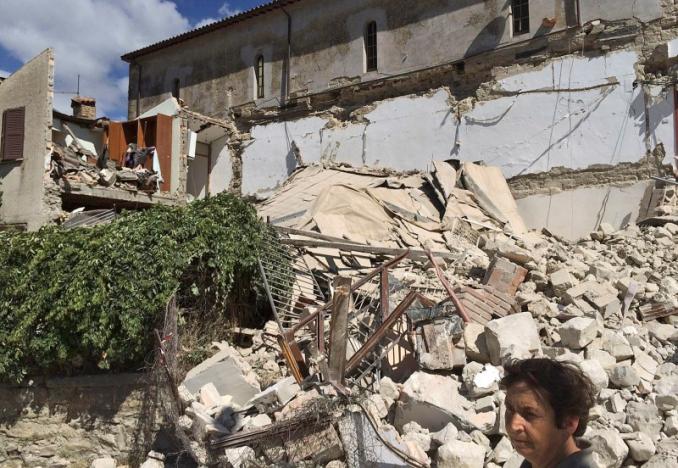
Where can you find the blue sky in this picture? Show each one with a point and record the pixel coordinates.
(89, 36)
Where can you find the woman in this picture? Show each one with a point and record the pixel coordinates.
(547, 406)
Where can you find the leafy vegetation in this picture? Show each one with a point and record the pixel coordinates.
(71, 300)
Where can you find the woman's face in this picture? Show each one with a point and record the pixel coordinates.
(531, 426)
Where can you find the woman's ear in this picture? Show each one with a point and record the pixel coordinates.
(571, 424)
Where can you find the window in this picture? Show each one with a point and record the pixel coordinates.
(371, 46)
(176, 90)
(521, 16)
(259, 75)
(12, 144)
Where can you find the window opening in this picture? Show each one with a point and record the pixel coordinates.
(371, 46)
(259, 72)
(520, 10)
(176, 90)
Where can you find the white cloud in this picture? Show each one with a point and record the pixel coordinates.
(4, 73)
(205, 22)
(88, 37)
(227, 10)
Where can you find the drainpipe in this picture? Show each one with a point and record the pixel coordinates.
(578, 6)
(288, 59)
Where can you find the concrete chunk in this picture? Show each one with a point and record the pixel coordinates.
(513, 336)
(644, 417)
(476, 346)
(608, 447)
(432, 401)
(229, 374)
(458, 454)
(624, 375)
(578, 332)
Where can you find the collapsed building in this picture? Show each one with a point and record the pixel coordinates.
(425, 192)
(574, 101)
(79, 169)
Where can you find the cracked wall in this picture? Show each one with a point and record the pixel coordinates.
(573, 112)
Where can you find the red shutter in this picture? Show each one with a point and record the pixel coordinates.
(13, 134)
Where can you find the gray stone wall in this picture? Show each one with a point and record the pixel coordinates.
(77, 420)
(31, 86)
(216, 70)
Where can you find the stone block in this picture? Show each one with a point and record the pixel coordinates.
(667, 392)
(644, 417)
(432, 401)
(595, 371)
(608, 447)
(513, 336)
(624, 375)
(617, 345)
(641, 448)
(209, 396)
(476, 346)
(458, 454)
(578, 332)
(561, 281)
(106, 462)
(445, 435)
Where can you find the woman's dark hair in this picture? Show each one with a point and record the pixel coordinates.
(562, 384)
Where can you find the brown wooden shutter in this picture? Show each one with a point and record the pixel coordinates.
(13, 134)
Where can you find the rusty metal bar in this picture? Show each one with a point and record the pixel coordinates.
(381, 331)
(291, 357)
(383, 296)
(455, 300)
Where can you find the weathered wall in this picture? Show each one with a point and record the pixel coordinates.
(572, 112)
(573, 214)
(76, 420)
(221, 172)
(31, 86)
(610, 10)
(216, 69)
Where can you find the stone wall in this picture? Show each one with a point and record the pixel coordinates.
(77, 420)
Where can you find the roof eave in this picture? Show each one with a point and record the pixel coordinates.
(260, 10)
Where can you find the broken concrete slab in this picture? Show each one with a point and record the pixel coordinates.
(229, 374)
(432, 401)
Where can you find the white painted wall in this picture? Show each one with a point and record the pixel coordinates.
(573, 214)
(644, 10)
(574, 112)
(221, 172)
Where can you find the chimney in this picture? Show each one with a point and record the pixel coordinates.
(84, 107)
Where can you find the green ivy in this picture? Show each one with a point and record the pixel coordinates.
(70, 299)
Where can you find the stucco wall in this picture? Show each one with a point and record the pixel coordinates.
(573, 214)
(21, 182)
(610, 10)
(572, 112)
(216, 69)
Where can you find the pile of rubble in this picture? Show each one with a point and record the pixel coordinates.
(74, 164)
(388, 341)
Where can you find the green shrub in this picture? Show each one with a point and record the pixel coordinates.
(75, 299)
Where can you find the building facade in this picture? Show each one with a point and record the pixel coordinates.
(573, 100)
